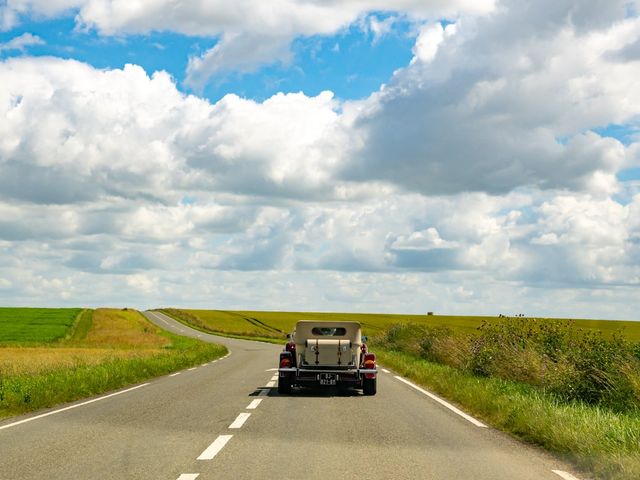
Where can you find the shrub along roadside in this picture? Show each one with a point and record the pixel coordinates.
(595, 439)
(556, 357)
(24, 393)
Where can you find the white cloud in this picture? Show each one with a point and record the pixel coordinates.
(584, 240)
(495, 106)
(141, 282)
(381, 27)
(236, 53)
(287, 145)
(429, 39)
(134, 135)
(21, 42)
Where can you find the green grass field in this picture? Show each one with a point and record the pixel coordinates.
(36, 325)
(277, 324)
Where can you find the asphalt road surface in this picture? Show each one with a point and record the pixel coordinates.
(225, 420)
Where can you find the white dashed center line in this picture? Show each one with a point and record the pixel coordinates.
(275, 377)
(565, 475)
(254, 404)
(188, 476)
(213, 449)
(240, 419)
(385, 370)
(271, 384)
(263, 393)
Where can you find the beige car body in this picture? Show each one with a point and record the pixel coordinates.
(328, 344)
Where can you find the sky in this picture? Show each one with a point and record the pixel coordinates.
(462, 157)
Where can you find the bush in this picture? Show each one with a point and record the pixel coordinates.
(552, 355)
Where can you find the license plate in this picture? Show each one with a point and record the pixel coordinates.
(327, 379)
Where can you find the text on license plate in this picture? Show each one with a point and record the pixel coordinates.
(327, 379)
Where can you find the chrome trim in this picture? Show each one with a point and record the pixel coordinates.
(316, 370)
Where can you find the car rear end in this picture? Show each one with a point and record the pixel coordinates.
(327, 354)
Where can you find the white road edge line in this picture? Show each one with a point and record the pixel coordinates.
(213, 449)
(385, 370)
(254, 404)
(188, 476)
(443, 403)
(271, 384)
(191, 369)
(240, 419)
(565, 475)
(37, 417)
(174, 374)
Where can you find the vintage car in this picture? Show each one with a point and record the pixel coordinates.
(326, 354)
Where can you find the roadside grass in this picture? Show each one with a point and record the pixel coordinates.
(36, 325)
(108, 349)
(276, 324)
(602, 442)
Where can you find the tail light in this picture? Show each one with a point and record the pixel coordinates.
(285, 362)
(369, 364)
(285, 359)
(369, 361)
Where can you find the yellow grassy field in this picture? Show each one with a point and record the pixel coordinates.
(114, 334)
(34, 360)
(123, 329)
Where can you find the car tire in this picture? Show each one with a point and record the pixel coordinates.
(284, 385)
(369, 386)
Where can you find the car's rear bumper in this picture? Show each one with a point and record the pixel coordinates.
(304, 371)
(345, 378)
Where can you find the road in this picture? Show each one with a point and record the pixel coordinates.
(225, 420)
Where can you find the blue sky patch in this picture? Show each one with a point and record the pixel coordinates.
(624, 133)
(352, 64)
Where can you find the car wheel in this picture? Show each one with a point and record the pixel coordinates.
(369, 386)
(284, 385)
